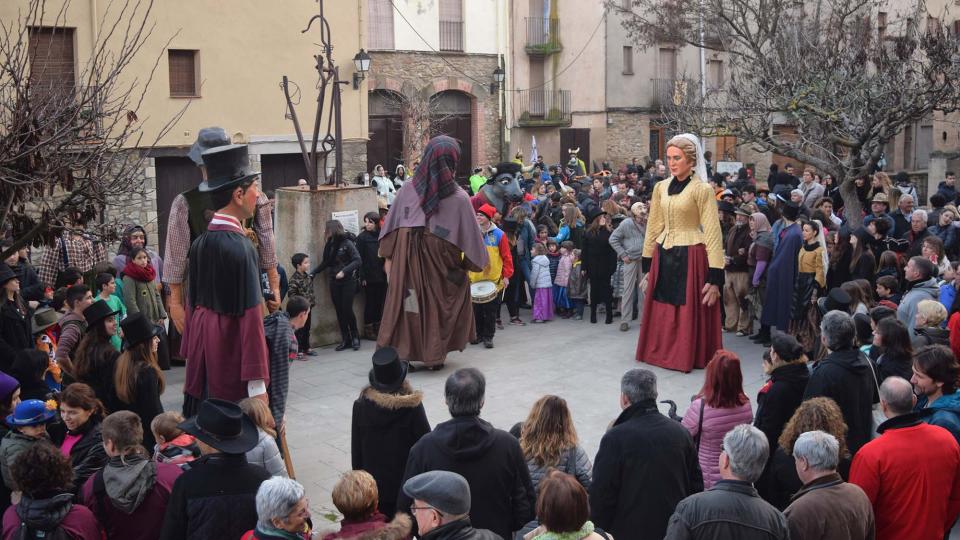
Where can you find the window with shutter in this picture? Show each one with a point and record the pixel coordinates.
(183, 73)
(380, 24)
(451, 25)
(51, 57)
(627, 60)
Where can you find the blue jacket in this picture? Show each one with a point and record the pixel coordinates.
(944, 412)
(947, 294)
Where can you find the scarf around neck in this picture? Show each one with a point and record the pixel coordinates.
(145, 274)
(584, 532)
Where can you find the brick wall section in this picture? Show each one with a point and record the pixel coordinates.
(428, 73)
(628, 136)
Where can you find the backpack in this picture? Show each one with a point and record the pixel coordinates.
(24, 532)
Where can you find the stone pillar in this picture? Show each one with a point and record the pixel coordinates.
(301, 218)
(936, 172)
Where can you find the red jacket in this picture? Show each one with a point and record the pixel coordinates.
(911, 474)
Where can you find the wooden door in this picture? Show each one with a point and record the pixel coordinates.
(458, 127)
(571, 138)
(278, 170)
(174, 176)
(385, 146)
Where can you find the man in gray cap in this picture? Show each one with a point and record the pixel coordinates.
(189, 214)
(441, 506)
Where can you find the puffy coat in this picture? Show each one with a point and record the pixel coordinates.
(573, 461)
(267, 455)
(563, 271)
(944, 412)
(56, 512)
(540, 273)
(716, 424)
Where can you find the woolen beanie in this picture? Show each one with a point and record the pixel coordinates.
(446, 491)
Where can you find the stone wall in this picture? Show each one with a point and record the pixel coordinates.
(426, 73)
(628, 136)
(139, 206)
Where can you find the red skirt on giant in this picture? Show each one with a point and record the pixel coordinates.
(680, 337)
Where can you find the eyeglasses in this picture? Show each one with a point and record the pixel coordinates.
(415, 508)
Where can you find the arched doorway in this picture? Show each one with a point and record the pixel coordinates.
(386, 130)
(450, 115)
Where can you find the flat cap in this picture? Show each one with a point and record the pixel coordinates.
(446, 491)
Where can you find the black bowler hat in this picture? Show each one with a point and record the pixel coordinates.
(593, 213)
(137, 329)
(836, 299)
(222, 425)
(6, 274)
(388, 371)
(227, 166)
(97, 312)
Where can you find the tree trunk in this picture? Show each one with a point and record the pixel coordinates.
(852, 209)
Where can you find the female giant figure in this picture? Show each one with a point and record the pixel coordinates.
(683, 261)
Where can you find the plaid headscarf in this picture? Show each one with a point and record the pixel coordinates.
(435, 177)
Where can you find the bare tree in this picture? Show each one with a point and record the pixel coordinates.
(844, 76)
(422, 115)
(68, 139)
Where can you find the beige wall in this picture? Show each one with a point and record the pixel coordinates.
(241, 62)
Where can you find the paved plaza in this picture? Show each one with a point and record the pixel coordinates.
(576, 360)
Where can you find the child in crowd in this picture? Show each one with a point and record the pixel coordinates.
(266, 454)
(28, 426)
(553, 255)
(173, 445)
(107, 285)
(948, 287)
(301, 284)
(577, 286)
(542, 285)
(542, 234)
(889, 265)
(560, 298)
(888, 292)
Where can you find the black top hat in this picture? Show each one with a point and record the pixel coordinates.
(222, 425)
(388, 371)
(207, 138)
(593, 212)
(97, 312)
(137, 329)
(726, 207)
(227, 166)
(836, 299)
(6, 273)
(44, 318)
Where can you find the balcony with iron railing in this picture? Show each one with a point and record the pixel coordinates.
(544, 108)
(671, 92)
(543, 36)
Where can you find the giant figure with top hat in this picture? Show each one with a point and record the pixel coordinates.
(223, 338)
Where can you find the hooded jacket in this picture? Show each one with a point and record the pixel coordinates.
(944, 412)
(540, 273)
(49, 515)
(13, 444)
(491, 461)
(384, 428)
(907, 311)
(129, 496)
(845, 376)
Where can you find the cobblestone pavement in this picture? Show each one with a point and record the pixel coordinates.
(576, 360)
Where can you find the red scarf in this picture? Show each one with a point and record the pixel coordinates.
(145, 274)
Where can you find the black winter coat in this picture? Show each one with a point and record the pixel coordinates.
(646, 464)
(845, 377)
(779, 481)
(215, 499)
(339, 256)
(31, 288)
(87, 456)
(384, 429)
(146, 402)
(779, 398)
(730, 509)
(491, 461)
(460, 530)
(371, 266)
(15, 333)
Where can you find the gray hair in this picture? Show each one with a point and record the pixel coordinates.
(276, 498)
(464, 392)
(897, 393)
(918, 212)
(819, 449)
(748, 450)
(907, 196)
(638, 385)
(838, 330)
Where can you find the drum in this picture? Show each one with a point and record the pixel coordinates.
(482, 292)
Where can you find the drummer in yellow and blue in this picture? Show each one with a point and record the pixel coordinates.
(499, 271)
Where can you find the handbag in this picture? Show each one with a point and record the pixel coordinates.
(696, 439)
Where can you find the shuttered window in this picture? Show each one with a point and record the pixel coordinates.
(183, 73)
(51, 57)
(451, 25)
(380, 24)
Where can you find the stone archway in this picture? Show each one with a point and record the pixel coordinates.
(473, 91)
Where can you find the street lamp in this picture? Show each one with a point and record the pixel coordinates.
(498, 76)
(362, 62)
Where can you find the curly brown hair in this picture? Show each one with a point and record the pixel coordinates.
(814, 414)
(548, 431)
(42, 469)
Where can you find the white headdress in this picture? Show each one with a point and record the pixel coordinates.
(822, 240)
(701, 167)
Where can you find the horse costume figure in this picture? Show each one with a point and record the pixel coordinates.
(503, 191)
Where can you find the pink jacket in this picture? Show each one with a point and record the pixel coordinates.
(716, 424)
(563, 271)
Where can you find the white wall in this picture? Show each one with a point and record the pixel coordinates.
(480, 26)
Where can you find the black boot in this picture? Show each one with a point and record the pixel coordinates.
(762, 335)
(609, 319)
(344, 345)
(593, 313)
